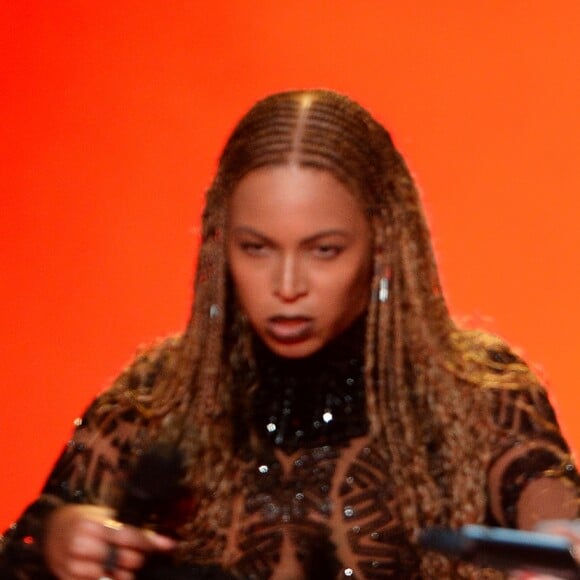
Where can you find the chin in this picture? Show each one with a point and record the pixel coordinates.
(294, 350)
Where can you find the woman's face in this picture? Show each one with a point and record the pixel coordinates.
(299, 253)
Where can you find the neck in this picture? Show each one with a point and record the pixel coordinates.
(312, 401)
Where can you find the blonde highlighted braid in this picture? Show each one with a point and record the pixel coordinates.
(422, 375)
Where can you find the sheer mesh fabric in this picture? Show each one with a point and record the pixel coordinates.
(321, 511)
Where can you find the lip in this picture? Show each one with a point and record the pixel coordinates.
(289, 329)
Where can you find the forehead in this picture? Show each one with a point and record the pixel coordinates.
(290, 196)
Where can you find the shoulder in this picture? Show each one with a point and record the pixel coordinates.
(150, 362)
(136, 385)
(488, 361)
(516, 394)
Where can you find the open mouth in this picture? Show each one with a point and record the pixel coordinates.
(289, 329)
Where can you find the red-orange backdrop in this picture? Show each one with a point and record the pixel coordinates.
(113, 115)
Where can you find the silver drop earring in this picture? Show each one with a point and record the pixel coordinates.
(383, 289)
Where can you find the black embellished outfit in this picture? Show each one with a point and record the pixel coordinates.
(315, 401)
(318, 503)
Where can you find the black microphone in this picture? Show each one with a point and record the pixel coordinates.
(152, 493)
(505, 549)
(152, 484)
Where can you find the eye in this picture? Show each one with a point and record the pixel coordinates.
(253, 248)
(327, 251)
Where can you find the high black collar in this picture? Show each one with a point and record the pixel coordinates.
(313, 401)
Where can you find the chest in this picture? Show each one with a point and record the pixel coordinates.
(325, 512)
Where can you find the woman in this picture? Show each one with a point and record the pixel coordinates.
(325, 406)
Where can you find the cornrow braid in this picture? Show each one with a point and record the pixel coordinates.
(432, 422)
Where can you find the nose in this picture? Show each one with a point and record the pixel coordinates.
(290, 279)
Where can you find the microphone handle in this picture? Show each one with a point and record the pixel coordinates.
(153, 484)
(505, 549)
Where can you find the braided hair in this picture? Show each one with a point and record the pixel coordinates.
(424, 408)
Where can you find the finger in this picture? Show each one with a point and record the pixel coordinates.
(85, 569)
(527, 575)
(111, 559)
(81, 570)
(125, 536)
(116, 558)
(118, 564)
(128, 559)
(159, 542)
(107, 556)
(86, 547)
(567, 527)
(117, 575)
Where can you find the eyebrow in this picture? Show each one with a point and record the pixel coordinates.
(309, 239)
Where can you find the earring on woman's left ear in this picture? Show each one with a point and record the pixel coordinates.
(383, 293)
(383, 290)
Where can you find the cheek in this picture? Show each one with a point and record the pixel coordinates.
(349, 287)
(248, 286)
(358, 291)
(360, 288)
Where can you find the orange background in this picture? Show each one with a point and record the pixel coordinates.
(113, 115)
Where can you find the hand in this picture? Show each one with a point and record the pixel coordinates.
(567, 528)
(570, 529)
(84, 542)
